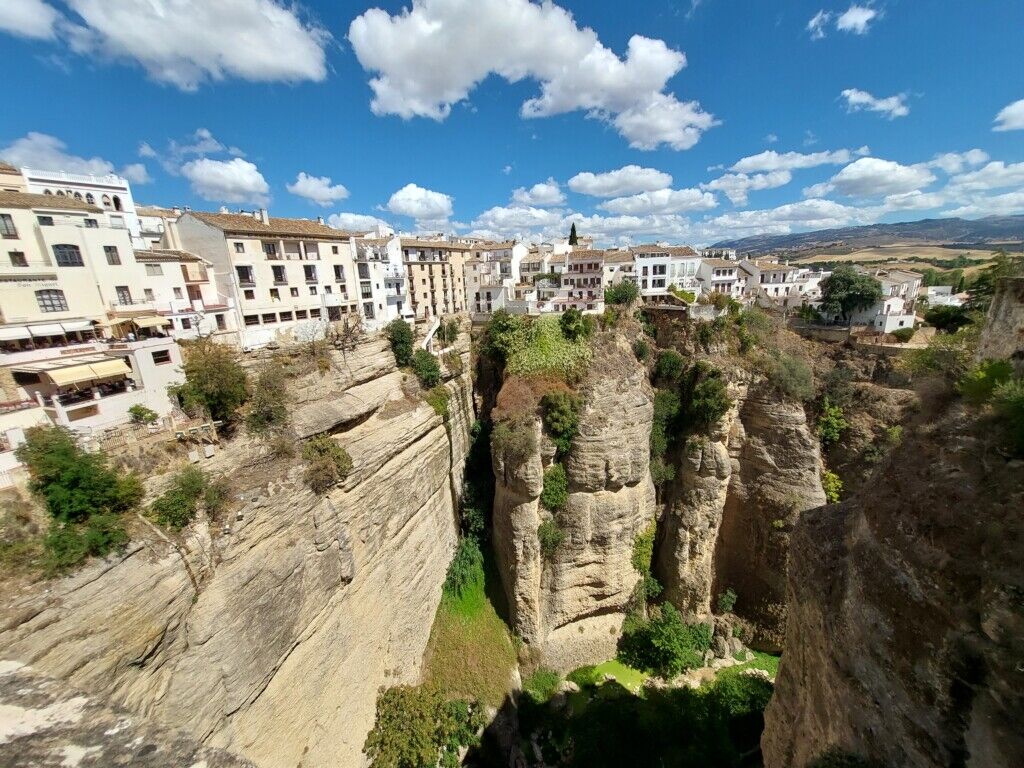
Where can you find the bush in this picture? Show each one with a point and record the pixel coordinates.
(727, 600)
(68, 544)
(439, 398)
(661, 472)
(792, 377)
(947, 319)
(545, 350)
(215, 383)
(400, 335)
(948, 355)
(448, 331)
(625, 292)
(561, 416)
(709, 402)
(643, 554)
(74, 485)
(1008, 401)
(551, 538)
(555, 492)
(831, 424)
(664, 645)
(416, 728)
(140, 414)
(838, 386)
(572, 325)
(506, 335)
(327, 463)
(666, 412)
(177, 506)
(467, 568)
(903, 335)
(542, 685)
(981, 381)
(513, 441)
(642, 350)
(669, 368)
(426, 368)
(267, 410)
(832, 486)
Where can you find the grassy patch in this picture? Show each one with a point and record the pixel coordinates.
(546, 351)
(629, 678)
(542, 685)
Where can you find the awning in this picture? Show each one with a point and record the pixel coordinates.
(71, 326)
(108, 368)
(150, 321)
(46, 329)
(76, 374)
(11, 332)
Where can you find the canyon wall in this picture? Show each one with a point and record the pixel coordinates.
(270, 633)
(570, 608)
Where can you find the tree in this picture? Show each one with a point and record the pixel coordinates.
(267, 410)
(984, 286)
(426, 368)
(573, 238)
(400, 335)
(625, 292)
(947, 319)
(506, 334)
(669, 368)
(572, 324)
(561, 418)
(847, 291)
(215, 383)
(327, 463)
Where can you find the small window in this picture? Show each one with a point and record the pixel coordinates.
(88, 198)
(314, 313)
(68, 256)
(245, 276)
(270, 250)
(249, 294)
(221, 325)
(18, 259)
(44, 221)
(154, 270)
(51, 301)
(334, 249)
(177, 293)
(279, 276)
(161, 357)
(7, 228)
(312, 290)
(239, 247)
(117, 222)
(309, 273)
(251, 319)
(148, 292)
(91, 224)
(286, 317)
(275, 294)
(293, 291)
(328, 289)
(301, 314)
(113, 257)
(269, 317)
(186, 323)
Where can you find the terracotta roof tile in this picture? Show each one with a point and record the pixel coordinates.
(54, 202)
(165, 254)
(246, 224)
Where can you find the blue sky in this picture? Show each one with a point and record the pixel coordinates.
(434, 116)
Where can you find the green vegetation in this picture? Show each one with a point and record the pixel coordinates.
(642, 350)
(1008, 402)
(561, 416)
(140, 414)
(949, 356)
(642, 557)
(624, 293)
(984, 286)
(792, 376)
(426, 368)
(478, 485)
(831, 423)
(847, 291)
(447, 331)
(418, 728)
(439, 397)
(545, 276)
(573, 237)
(177, 506)
(903, 335)
(543, 349)
(83, 495)
(267, 410)
(550, 537)
(215, 384)
(666, 410)
(542, 685)
(832, 486)
(513, 440)
(555, 492)
(327, 463)
(682, 295)
(727, 600)
(573, 325)
(466, 571)
(838, 758)
(664, 644)
(505, 335)
(709, 400)
(947, 319)
(978, 384)
(669, 368)
(400, 335)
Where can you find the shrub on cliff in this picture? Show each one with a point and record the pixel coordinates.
(550, 537)
(215, 383)
(832, 485)
(400, 335)
(561, 418)
(505, 335)
(664, 645)
(831, 423)
(643, 554)
(267, 410)
(981, 381)
(642, 350)
(426, 368)
(792, 376)
(513, 441)
(669, 368)
(466, 570)
(327, 463)
(555, 492)
(544, 350)
(1008, 401)
(176, 507)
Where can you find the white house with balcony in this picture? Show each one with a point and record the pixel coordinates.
(383, 282)
(660, 267)
(722, 276)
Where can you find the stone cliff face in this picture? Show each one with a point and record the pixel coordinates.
(906, 618)
(737, 492)
(305, 604)
(570, 608)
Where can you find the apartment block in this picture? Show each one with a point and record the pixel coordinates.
(582, 282)
(659, 268)
(436, 272)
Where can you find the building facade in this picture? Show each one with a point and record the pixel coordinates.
(436, 274)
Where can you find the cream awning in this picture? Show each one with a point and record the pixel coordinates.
(150, 321)
(88, 368)
(109, 368)
(46, 329)
(11, 332)
(76, 374)
(76, 325)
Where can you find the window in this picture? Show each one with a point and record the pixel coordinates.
(245, 275)
(275, 295)
(186, 323)
(177, 293)
(148, 293)
(294, 292)
(113, 257)
(251, 319)
(221, 325)
(161, 356)
(249, 294)
(117, 222)
(117, 203)
(339, 273)
(279, 274)
(314, 313)
(124, 296)
(7, 228)
(88, 198)
(310, 273)
(51, 301)
(301, 314)
(18, 259)
(270, 250)
(334, 249)
(328, 289)
(312, 290)
(239, 247)
(45, 221)
(154, 270)
(91, 224)
(68, 256)
(269, 317)
(286, 317)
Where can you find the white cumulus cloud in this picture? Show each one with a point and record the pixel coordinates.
(891, 107)
(816, 26)
(737, 186)
(661, 201)
(542, 193)
(227, 181)
(996, 205)
(189, 42)
(48, 153)
(516, 219)
(28, 18)
(995, 175)
(856, 19)
(317, 189)
(424, 205)
(355, 222)
(627, 180)
(770, 160)
(136, 173)
(1010, 117)
(955, 162)
(874, 177)
(465, 41)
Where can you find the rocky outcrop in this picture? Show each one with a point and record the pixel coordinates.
(906, 618)
(305, 605)
(737, 492)
(1003, 335)
(569, 608)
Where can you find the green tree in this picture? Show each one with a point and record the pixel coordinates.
(506, 334)
(555, 492)
(847, 291)
(177, 506)
(426, 368)
(561, 418)
(981, 381)
(1008, 402)
(664, 645)
(327, 463)
(573, 237)
(400, 335)
(140, 414)
(268, 411)
(669, 368)
(550, 537)
(572, 324)
(625, 292)
(984, 286)
(215, 383)
(947, 319)
(792, 376)
(832, 423)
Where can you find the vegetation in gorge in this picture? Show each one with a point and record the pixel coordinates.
(438, 398)
(327, 463)
(831, 423)
(648, 587)
(555, 492)
(663, 644)
(83, 495)
(561, 416)
(550, 537)
(268, 412)
(426, 368)
(832, 485)
(538, 347)
(666, 410)
(215, 385)
(513, 441)
(401, 337)
(178, 505)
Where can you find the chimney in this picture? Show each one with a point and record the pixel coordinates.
(176, 211)
(320, 220)
(264, 216)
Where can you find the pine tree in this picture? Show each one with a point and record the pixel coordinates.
(573, 239)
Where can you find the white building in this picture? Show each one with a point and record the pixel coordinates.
(383, 281)
(943, 296)
(659, 268)
(722, 276)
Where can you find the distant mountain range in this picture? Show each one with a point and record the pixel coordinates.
(994, 229)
